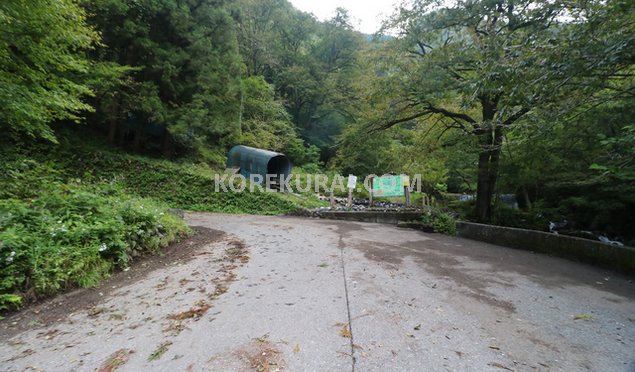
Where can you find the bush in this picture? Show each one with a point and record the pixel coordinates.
(502, 215)
(440, 221)
(534, 219)
(55, 235)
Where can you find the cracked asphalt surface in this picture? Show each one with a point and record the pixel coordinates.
(286, 293)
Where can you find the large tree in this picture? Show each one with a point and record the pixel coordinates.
(312, 65)
(185, 71)
(43, 66)
(484, 66)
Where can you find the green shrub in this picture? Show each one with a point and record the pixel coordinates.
(440, 221)
(534, 219)
(537, 218)
(55, 235)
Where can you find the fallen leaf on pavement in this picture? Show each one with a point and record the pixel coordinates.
(160, 351)
(23, 354)
(296, 348)
(243, 258)
(50, 334)
(345, 332)
(582, 317)
(196, 312)
(498, 365)
(94, 311)
(115, 360)
(116, 317)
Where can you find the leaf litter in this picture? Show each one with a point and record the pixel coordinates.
(116, 360)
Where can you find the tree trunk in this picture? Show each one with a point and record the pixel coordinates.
(488, 164)
(138, 136)
(168, 145)
(526, 197)
(113, 122)
(112, 131)
(483, 190)
(490, 140)
(121, 138)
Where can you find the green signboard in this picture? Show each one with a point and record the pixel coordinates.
(388, 186)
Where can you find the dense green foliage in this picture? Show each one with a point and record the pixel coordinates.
(439, 221)
(487, 67)
(494, 97)
(313, 65)
(42, 64)
(57, 234)
(532, 98)
(71, 213)
(185, 84)
(184, 186)
(204, 75)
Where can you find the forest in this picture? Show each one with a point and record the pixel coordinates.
(480, 97)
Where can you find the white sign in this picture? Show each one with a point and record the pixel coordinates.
(352, 181)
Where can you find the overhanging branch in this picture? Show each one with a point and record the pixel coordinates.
(457, 117)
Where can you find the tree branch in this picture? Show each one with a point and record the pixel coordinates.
(398, 121)
(455, 116)
(510, 120)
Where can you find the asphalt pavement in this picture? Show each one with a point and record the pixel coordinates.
(300, 294)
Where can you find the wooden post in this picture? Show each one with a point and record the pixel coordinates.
(406, 190)
(350, 198)
(371, 201)
(332, 200)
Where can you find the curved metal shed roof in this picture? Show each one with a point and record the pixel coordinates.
(255, 161)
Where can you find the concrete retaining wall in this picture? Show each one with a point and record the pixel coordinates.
(577, 249)
(583, 250)
(371, 216)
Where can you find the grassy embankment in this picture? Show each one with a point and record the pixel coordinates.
(71, 215)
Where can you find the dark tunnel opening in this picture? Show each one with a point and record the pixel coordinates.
(279, 165)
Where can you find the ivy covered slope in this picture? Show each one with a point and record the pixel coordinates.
(58, 233)
(180, 185)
